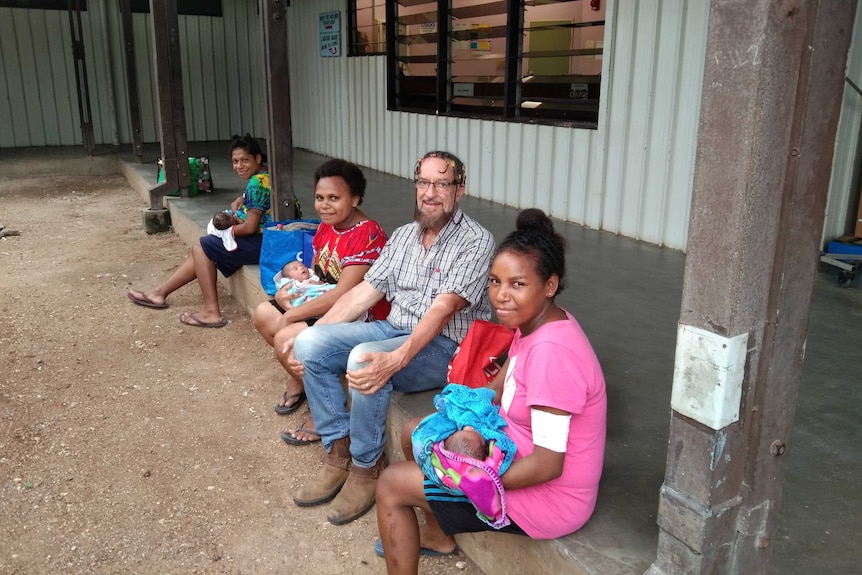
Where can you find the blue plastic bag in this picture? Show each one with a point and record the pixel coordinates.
(284, 242)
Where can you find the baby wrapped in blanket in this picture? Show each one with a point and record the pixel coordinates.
(447, 449)
(299, 280)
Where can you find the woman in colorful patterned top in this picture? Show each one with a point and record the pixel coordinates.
(254, 209)
(345, 246)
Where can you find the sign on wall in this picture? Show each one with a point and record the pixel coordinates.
(330, 34)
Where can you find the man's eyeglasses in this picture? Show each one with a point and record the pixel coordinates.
(441, 186)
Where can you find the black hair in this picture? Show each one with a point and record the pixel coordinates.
(247, 143)
(347, 171)
(222, 220)
(463, 445)
(451, 159)
(535, 236)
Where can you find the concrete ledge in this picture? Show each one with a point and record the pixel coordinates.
(60, 166)
(136, 180)
(244, 285)
(600, 548)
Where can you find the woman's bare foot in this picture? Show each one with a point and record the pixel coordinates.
(436, 541)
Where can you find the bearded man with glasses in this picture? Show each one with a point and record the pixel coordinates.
(434, 271)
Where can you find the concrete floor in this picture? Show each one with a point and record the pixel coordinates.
(626, 294)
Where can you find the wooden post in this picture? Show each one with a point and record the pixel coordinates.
(172, 118)
(82, 83)
(772, 90)
(277, 89)
(132, 79)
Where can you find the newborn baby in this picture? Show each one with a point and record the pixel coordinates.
(468, 442)
(297, 279)
(221, 225)
(224, 220)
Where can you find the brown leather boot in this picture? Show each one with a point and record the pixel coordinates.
(331, 478)
(357, 497)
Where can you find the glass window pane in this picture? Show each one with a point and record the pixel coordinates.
(369, 36)
(553, 73)
(478, 53)
(416, 54)
(561, 63)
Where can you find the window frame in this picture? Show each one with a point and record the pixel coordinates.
(42, 4)
(353, 43)
(184, 7)
(512, 109)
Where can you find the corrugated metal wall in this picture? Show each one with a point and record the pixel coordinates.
(846, 180)
(221, 67)
(631, 176)
(37, 94)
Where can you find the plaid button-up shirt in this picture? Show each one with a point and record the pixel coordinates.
(457, 262)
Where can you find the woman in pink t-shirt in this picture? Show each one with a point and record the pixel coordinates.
(552, 395)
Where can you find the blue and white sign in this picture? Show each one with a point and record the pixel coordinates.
(330, 34)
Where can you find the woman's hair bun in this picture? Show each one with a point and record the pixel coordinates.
(535, 236)
(534, 219)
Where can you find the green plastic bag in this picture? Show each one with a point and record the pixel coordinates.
(200, 179)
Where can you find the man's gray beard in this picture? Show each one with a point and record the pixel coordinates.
(429, 223)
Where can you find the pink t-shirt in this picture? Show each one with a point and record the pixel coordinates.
(555, 366)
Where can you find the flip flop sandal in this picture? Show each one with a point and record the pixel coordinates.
(288, 437)
(284, 409)
(145, 301)
(193, 320)
(378, 550)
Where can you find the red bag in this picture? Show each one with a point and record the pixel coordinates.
(474, 363)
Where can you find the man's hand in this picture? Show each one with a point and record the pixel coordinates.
(294, 364)
(378, 368)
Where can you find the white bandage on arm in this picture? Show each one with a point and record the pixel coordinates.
(550, 430)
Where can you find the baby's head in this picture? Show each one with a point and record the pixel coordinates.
(468, 442)
(295, 270)
(223, 220)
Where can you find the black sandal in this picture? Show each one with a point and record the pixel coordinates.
(288, 437)
(284, 409)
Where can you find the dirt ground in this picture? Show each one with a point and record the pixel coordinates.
(131, 443)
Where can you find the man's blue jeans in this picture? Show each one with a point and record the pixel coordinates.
(326, 351)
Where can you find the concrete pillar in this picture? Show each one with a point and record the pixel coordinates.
(157, 220)
(771, 96)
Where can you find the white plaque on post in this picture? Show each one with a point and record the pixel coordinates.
(707, 376)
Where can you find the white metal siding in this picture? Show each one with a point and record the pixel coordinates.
(845, 183)
(631, 176)
(37, 96)
(222, 67)
(324, 95)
